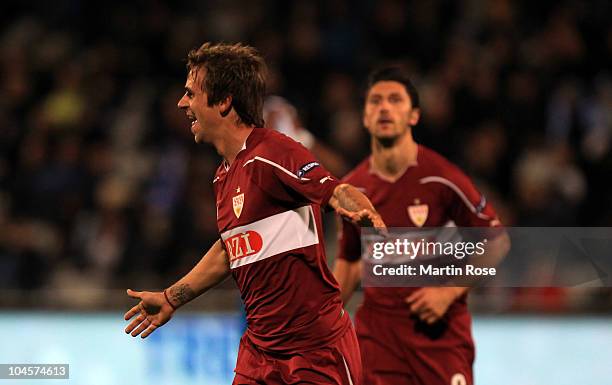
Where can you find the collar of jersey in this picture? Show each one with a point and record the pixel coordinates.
(248, 140)
(387, 179)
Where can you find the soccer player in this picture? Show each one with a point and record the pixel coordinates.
(269, 191)
(410, 335)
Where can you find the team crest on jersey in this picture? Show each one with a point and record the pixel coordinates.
(238, 203)
(418, 213)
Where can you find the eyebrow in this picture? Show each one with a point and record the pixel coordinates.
(380, 95)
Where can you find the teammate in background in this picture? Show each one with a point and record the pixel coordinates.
(280, 115)
(410, 335)
(269, 191)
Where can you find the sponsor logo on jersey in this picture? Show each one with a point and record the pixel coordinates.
(418, 213)
(305, 168)
(325, 179)
(270, 236)
(243, 244)
(238, 203)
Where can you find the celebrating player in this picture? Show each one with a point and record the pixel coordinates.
(410, 335)
(269, 191)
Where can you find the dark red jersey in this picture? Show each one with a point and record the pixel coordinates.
(432, 193)
(269, 218)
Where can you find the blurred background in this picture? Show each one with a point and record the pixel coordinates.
(102, 187)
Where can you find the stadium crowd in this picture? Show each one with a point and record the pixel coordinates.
(99, 172)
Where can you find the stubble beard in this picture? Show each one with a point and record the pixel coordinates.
(389, 141)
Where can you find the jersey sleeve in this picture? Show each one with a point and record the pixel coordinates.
(288, 171)
(467, 206)
(349, 241)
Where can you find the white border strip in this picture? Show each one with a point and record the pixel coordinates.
(456, 189)
(268, 161)
(348, 372)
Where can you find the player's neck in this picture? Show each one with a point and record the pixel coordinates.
(391, 162)
(233, 141)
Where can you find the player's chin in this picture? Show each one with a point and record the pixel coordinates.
(387, 139)
(198, 138)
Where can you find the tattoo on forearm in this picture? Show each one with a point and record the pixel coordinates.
(181, 294)
(351, 199)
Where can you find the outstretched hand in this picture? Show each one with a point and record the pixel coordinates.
(364, 217)
(153, 311)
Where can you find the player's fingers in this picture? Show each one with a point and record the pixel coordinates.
(149, 330)
(414, 296)
(347, 214)
(133, 311)
(134, 323)
(424, 313)
(134, 294)
(143, 325)
(418, 306)
(379, 223)
(382, 230)
(430, 318)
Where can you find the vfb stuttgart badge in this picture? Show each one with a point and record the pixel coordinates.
(238, 203)
(418, 213)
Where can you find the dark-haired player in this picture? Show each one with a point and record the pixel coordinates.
(410, 186)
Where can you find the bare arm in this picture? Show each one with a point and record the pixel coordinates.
(348, 275)
(353, 204)
(210, 271)
(495, 251)
(156, 308)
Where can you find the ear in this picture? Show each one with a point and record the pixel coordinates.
(225, 106)
(415, 115)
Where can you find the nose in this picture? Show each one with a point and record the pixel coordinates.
(383, 109)
(182, 103)
(384, 105)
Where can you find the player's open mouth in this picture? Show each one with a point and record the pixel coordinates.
(193, 119)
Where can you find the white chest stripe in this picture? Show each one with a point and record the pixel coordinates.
(457, 190)
(271, 236)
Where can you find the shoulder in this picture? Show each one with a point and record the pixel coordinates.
(274, 150)
(458, 190)
(276, 146)
(438, 169)
(272, 141)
